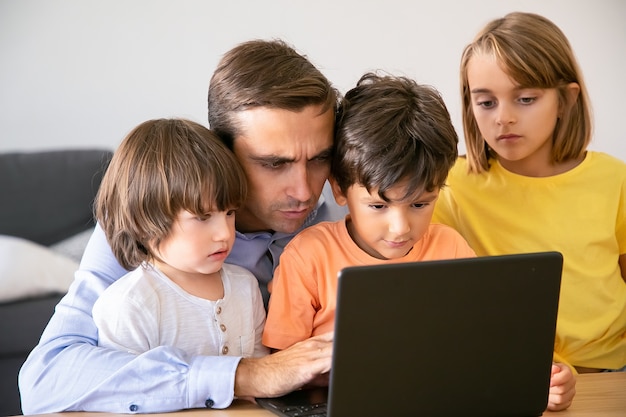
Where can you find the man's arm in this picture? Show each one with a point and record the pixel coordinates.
(284, 371)
(68, 371)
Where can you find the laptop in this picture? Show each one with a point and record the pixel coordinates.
(462, 337)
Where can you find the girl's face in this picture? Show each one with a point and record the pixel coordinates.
(196, 245)
(517, 123)
(386, 230)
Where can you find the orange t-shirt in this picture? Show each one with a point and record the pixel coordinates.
(304, 288)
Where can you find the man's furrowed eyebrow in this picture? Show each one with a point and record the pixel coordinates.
(273, 159)
(326, 153)
(277, 159)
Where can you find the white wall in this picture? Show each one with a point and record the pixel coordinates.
(82, 73)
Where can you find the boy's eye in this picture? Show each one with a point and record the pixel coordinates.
(420, 205)
(231, 212)
(377, 206)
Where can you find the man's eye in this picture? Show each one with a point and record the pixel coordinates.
(273, 164)
(322, 159)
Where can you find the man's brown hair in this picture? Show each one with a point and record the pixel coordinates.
(262, 73)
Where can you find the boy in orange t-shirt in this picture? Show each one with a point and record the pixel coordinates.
(395, 144)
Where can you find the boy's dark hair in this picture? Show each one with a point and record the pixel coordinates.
(162, 167)
(262, 73)
(391, 129)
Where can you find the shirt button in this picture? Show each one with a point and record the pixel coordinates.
(219, 310)
(225, 350)
(133, 408)
(223, 327)
(209, 403)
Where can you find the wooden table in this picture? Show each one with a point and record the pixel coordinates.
(597, 395)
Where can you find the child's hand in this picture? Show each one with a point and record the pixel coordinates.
(562, 387)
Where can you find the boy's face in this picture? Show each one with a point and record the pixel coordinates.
(196, 245)
(286, 158)
(386, 230)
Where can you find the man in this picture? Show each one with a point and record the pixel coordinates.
(276, 111)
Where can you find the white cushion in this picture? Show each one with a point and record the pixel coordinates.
(28, 269)
(74, 246)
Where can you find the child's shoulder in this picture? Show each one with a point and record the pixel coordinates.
(439, 230)
(138, 284)
(602, 158)
(602, 167)
(320, 232)
(448, 239)
(459, 169)
(143, 275)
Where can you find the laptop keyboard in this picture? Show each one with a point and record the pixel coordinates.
(310, 410)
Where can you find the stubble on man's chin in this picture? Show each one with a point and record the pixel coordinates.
(249, 220)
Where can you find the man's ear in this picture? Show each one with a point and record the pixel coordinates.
(340, 198)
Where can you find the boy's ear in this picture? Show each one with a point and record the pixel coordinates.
(340, 198)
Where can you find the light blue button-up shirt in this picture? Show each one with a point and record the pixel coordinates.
(67, 371)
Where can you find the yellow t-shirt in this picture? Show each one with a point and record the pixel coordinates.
(580, 213)
(304, 288)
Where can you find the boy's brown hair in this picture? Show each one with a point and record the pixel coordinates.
(162, 167)
(391, 129)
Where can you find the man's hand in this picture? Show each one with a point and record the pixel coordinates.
(562, 387)
(284, 371)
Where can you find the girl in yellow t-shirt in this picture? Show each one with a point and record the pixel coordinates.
(529, 184)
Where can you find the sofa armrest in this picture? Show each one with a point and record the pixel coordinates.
(47, 196)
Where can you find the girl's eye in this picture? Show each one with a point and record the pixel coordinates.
(527, 100)
(420, 205)
(231, 212)
(485, 103)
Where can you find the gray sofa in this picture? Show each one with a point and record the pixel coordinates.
(47, 200)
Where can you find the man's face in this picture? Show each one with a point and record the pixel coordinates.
(286, 157)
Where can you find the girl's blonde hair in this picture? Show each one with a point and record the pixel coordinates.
(162, 167)
(535, 53)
